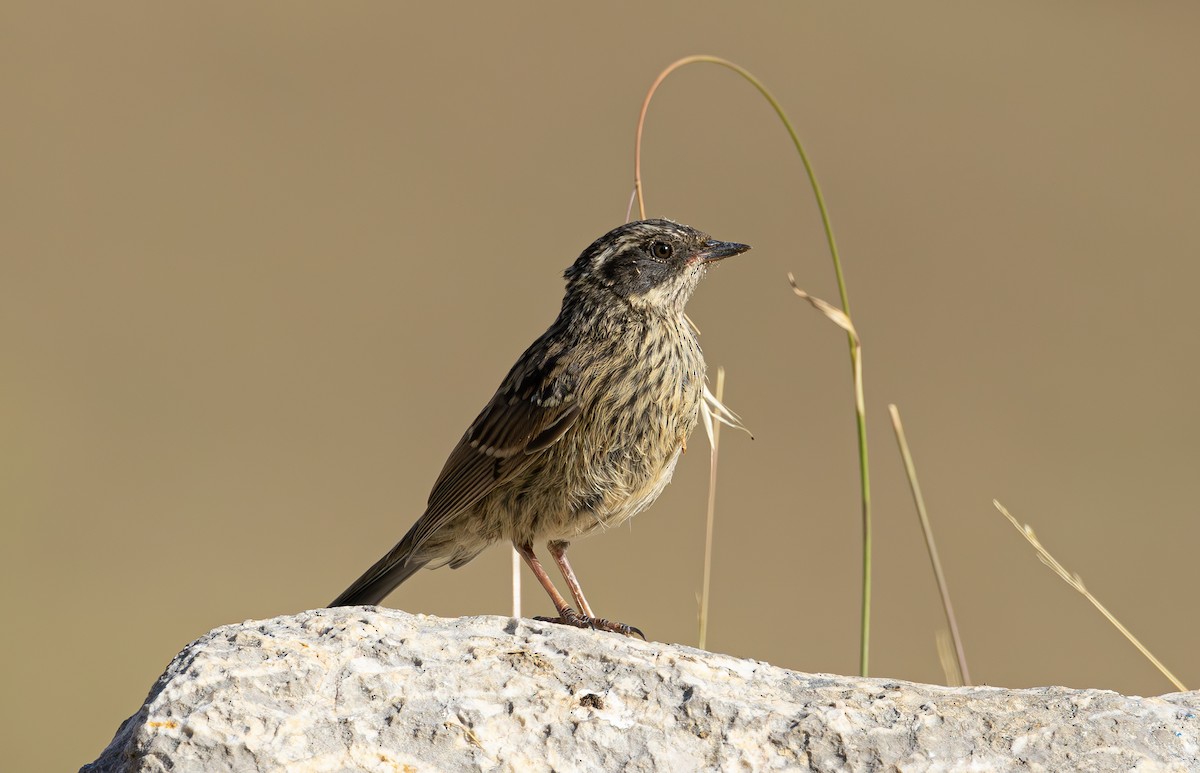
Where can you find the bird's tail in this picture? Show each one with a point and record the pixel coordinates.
(381, 579)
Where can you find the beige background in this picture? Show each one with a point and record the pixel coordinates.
(262, 263)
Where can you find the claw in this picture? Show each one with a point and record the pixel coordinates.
(574, 619)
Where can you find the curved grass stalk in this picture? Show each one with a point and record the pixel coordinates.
(855, 363)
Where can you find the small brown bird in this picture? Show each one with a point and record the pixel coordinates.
(585, 430)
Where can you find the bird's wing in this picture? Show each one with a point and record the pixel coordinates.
(534, 406)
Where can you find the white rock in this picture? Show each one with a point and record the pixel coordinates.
(372, 689)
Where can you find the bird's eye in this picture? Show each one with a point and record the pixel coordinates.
(660, 250)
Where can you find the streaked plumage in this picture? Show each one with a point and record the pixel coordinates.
(586, 428)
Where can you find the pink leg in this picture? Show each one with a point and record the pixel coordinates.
(566, 614)
(559, 551)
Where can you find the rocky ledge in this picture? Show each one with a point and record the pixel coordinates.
(372, 689)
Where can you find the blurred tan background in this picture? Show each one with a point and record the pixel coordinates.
(261, 264)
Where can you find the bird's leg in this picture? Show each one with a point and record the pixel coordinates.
(566, 614)
(531, 560)
(559, 551)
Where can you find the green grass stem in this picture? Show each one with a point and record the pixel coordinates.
(855, 350)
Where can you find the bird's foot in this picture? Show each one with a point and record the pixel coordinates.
(571, 617)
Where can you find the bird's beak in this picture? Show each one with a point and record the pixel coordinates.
(715, 250)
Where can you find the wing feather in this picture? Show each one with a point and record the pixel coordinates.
(533, 408)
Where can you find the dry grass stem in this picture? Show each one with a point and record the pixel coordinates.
(516, 582)
(842, 320)
(713, 412)
(1076, 582)
(713, 428)
(467, 732)
(962, 674)
(945, 651)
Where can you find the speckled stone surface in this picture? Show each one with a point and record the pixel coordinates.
(372, 689)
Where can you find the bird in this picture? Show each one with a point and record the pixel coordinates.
(585, 430)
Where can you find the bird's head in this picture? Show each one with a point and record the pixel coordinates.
(650, 263)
